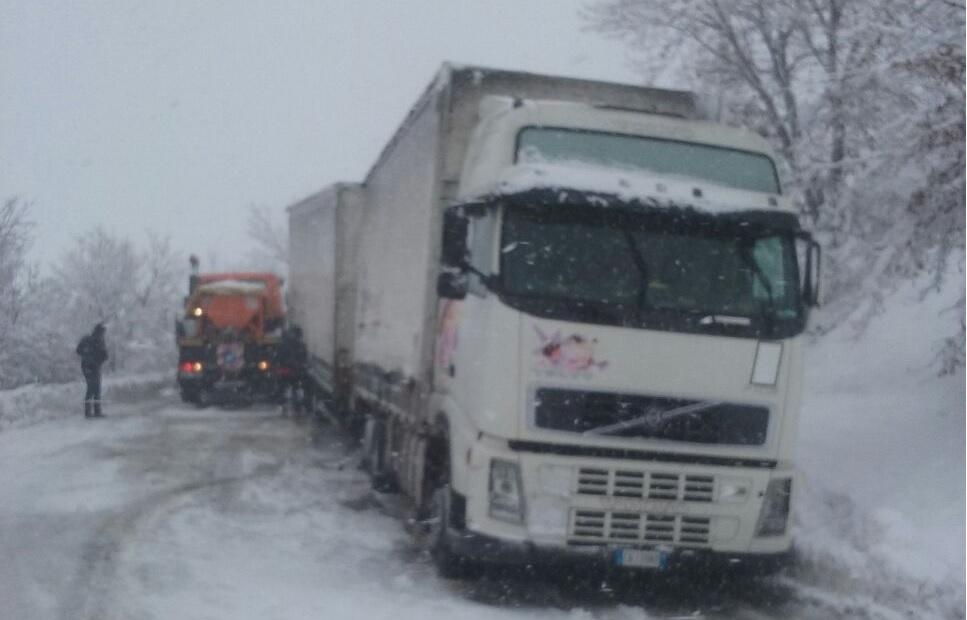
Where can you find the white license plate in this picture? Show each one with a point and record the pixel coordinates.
(228, 384)
(640, 558)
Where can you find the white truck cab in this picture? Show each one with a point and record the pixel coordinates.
(623, 376)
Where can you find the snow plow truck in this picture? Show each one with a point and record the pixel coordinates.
(228, 336)
(566, 318)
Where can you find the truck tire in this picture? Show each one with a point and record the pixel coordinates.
(449, 563)
(189, 395)
(374, 455)
(203, 398)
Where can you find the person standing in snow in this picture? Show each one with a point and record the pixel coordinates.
(93, 353)
(293, 357)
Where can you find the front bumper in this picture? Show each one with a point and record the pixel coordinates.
(491, 550)
(249, 380)
(584, 509)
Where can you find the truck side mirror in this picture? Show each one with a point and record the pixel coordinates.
(813, 264)
(451, 285)
(455, 228)
(811, 271)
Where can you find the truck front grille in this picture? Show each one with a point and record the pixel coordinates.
(636, 416)
(599, 527)
(606, 482)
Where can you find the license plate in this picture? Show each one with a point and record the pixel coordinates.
(641, 558)
(228, 384)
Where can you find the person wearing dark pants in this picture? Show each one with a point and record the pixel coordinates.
(93, 352)
(293, 357)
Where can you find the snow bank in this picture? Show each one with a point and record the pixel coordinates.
(31, 404)
(882, 457)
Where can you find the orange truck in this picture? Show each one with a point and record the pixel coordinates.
(228, 336)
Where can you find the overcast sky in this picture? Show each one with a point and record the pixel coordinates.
(175, 116)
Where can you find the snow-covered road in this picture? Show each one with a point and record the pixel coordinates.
(166, 511)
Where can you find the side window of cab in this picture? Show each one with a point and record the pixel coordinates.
(482, 230)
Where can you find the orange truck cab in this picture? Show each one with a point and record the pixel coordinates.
(228, 335)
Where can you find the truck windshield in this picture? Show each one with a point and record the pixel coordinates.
(722, 166)
(652, 271)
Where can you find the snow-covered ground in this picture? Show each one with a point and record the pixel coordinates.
(882, 452)
(32, 404)
(166, 511)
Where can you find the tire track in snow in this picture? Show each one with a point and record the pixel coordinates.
(91, 595)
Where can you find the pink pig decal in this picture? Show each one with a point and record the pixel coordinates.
(574, 353)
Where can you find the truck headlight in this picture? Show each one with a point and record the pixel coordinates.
(774, 514)
(506, 492)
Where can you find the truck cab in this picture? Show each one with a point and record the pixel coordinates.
(228, 335)
(619, 351)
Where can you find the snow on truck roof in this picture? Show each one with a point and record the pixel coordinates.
(228, 287)
(633, 185)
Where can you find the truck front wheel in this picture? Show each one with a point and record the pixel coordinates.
(449, 563)
(190, 395)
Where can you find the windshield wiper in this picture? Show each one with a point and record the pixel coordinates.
(653, 420)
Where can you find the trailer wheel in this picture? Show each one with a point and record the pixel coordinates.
(374, 455)
(190, 395)
(449, 563)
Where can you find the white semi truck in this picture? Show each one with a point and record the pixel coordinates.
(566, 317)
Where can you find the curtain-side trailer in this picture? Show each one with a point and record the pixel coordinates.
(566, 317)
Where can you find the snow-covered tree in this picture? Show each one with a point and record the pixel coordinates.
(268, 232)
(17, 280)
(863, 100)
(106, 279)
(161, 283)
(14, 243)
(44, 342)
(102, 278)
(98, 278)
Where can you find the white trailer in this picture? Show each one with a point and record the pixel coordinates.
(323, 237)
(568, 315)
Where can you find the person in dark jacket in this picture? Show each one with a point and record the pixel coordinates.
(93, 353)
(293, 357)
